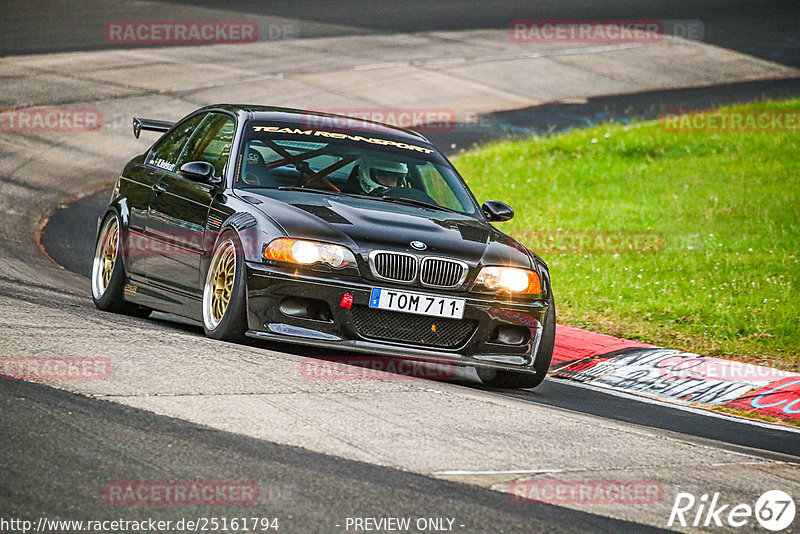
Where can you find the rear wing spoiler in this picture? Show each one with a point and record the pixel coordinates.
(150, 125)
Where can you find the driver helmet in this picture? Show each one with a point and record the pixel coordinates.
(374, 173)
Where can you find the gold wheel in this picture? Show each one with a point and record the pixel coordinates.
(219, 284)
(105, 258)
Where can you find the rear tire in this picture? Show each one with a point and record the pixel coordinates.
(517, 380)
(224, 291)
(108, 272)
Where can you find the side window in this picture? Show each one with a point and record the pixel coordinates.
(165, 154)
(211, 142)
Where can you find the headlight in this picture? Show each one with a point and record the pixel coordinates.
(308, 252)
(509, 279)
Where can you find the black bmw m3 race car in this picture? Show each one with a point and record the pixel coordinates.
(310, 228)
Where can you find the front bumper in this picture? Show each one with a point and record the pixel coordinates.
(268, 288)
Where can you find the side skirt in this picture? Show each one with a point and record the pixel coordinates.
(163, 299)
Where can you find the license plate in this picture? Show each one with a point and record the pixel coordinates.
(404, 301)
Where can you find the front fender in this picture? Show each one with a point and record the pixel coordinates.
(246, 227)
(544, 274)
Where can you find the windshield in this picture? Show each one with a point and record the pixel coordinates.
(349, 163)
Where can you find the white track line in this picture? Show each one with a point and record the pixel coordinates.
(511, 472)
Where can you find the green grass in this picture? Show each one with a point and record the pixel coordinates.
(725, 282)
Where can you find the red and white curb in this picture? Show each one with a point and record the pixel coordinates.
(674, 376)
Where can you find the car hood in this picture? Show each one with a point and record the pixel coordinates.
(364, 224)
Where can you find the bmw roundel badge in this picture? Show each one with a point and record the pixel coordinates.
(419, 245)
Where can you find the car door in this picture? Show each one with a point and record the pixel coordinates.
(176, 221)
(159, 160)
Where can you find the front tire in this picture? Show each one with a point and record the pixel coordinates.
(517, 380)
(224, 298)
(108, 272)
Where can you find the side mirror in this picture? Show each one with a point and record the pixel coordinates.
(497, 211)
(199, 171)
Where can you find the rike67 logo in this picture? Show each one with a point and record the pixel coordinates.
(774, 511)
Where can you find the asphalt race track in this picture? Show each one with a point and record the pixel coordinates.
(80, 442)
(180, 407)
(763, 29)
